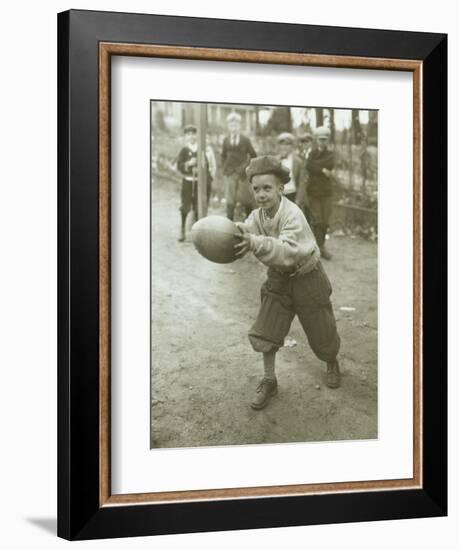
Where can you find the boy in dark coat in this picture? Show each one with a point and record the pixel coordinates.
(236, 153)
(187, 166)
(320, 165)
(305, 141)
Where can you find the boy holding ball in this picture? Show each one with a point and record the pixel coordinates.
(280, 237)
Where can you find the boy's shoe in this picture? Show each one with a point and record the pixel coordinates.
(181, 239)
(325, 254)
(333, 375)
(265, 390)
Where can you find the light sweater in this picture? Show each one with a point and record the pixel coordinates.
(285, 242)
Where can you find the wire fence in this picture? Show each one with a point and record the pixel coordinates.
(355, 177)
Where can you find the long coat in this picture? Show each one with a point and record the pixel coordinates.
(319, 184)
(235, 158)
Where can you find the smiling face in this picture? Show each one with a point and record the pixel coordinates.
(267, 191)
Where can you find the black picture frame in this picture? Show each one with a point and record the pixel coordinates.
(80, 515)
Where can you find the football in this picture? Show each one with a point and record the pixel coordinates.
(214, 238)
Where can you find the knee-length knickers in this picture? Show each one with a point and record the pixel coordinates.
(308, 296)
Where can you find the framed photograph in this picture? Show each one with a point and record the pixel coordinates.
(252, 275)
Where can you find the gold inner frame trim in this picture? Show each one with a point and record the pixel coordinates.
(106, 51)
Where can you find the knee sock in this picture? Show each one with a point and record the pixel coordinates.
(269, 363)
(184, 215)
(318, 234)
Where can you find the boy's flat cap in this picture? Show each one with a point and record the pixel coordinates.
(190, 129)
(267, 165)
(286, 137)
(322, 131)
(307, 136)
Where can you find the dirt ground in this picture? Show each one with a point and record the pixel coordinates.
(204, 371)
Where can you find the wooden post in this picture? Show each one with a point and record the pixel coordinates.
(364, 160)
(350, 143)
(201, 117)
(332, 125)
(319, 117)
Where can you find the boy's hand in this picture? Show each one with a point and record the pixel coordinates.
(244, 246)
(190, 163)
(327, 172)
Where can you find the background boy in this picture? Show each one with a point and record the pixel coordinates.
(237, 150)
(290, 160)
(279, 236)
(320, 165)
(187, 166)
(305, 141)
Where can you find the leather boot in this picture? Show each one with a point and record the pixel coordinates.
(183, 215)
(230, 211)
(333, 375)
(265, 390)
(324, 253)
(317, 230)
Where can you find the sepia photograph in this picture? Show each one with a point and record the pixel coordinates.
(264, 274)
(252, 281)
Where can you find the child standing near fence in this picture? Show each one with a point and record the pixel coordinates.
(320, 165)
(187, 165)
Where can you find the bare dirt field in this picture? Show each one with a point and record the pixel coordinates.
(204, 371)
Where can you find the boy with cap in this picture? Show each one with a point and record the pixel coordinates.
(237, 150)
(280, 237)
(304, 145)
(187, 160)
(320, 165)
(304, 150)
(292, 162)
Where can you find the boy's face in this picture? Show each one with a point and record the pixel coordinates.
(305, 144)
(322, 143)
(285, 148)
(234, 127)
(190, 138)
(267, 190)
